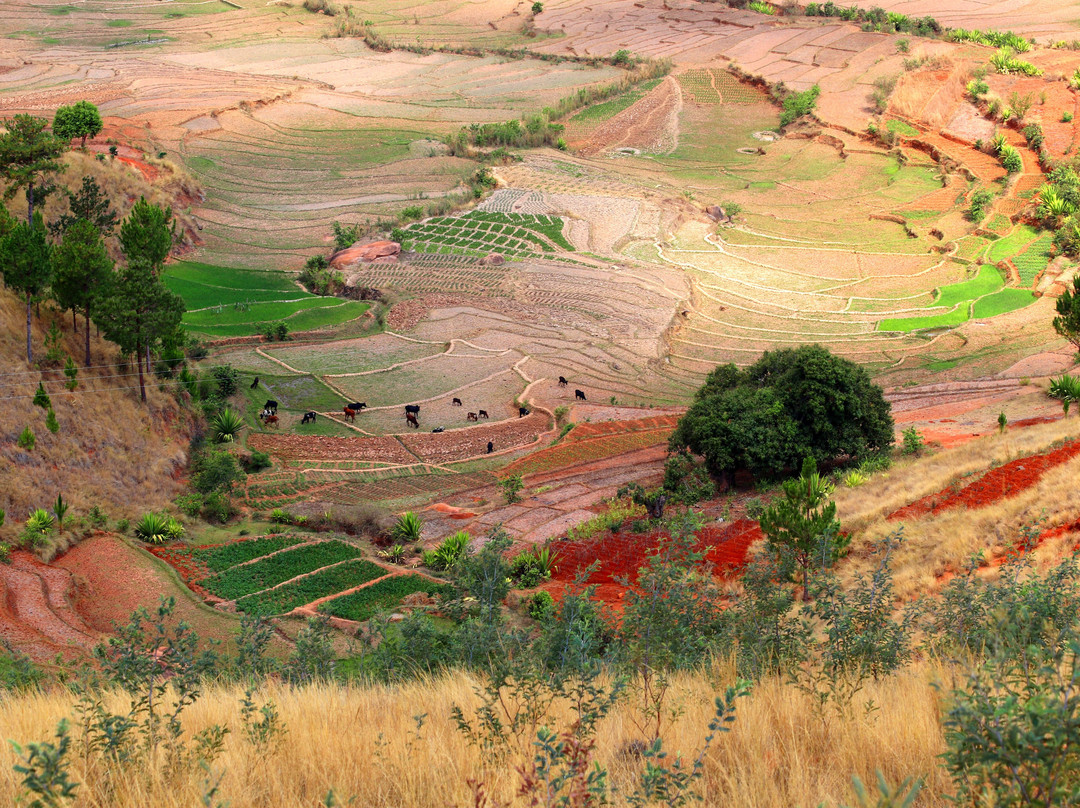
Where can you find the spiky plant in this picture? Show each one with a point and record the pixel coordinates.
(174, 528)
(153, 528)
(226, 426)
(408, 528)
(396, 554)
(1066, 389)
(60, 508)
(855, 478)
(38, 527)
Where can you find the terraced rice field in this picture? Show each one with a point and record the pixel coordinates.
(514, 235)
(225, 302)
(367, 602)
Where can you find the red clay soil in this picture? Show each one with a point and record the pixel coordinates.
(187, 567)
(621, 555)
(148, 171)
(1000, 483)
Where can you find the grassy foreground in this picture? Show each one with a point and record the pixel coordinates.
(398, 746)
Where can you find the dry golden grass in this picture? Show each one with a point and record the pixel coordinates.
(361, 741)
(111, 451)
(945, 542)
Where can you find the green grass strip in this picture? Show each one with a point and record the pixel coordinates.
(1011, 244)
(987, 280)
(224, 556)
(1001, 302)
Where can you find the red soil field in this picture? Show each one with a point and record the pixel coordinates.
(1000, 483)
(725, 547)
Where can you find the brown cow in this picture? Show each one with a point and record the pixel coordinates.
(471, 417)
(350, 414)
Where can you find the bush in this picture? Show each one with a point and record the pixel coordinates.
(913, 441)
(531, 568)
(319, 278)
(26, 439)
(122, 525)
(980, 201)
(215, 471)
(38, 528)
(218, 506)
(408, 528)
(796, 105)
(541, 605)
(41, 398)
(411, 213)
(280, 516)
(365, 519)
(448, 554)
(96, 517)
(754, 508)
(1011, 160)
(189, 504)
(152, 529)
(226, 379)
(686, 480)
(511, 488)
(255, 462)
(50, 421)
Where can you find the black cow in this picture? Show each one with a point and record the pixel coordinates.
(437, 429)
(414, 409)
(309, 416)
(270, 406)
(483, 413)
(522, 412)
(255, 383)
(579, 395)
(562, 381)
(410, 419)
(491, 447)
(359, 405)
(455, 402)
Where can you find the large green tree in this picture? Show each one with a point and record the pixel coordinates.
(80, 119)
(83, 271)
(28, 156)
(790, 404)
(26, 264)
(139, 313)
(1067, 323)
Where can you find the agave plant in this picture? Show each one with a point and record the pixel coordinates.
(39, 526)
(226, 426)
(153, 528)
(174, 528)
(1066, 390)
(408, 528)
(396, 554)
(855, 478)
(448, 554)
(1052, 205)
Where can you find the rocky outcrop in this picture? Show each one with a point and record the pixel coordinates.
(381, 251)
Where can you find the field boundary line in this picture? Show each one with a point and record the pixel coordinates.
(265, 355)
(315, 604)
(434, 398)
(274, 553)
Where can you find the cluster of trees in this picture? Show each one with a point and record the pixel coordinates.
(68, 259)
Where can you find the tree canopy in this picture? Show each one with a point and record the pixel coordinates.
(83, 271)
(791, 404)
(91, 203)
(27, 156)
(26, 264)
(147, 235)
(80, 119)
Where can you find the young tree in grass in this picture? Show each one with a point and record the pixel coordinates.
(804, 522)
(80, 119)
(1067, 323)
(27, 158)
(83, 271)
(139, 313)
(26, 264)
(90, 202)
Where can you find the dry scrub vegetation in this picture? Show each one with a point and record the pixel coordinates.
(363, 742)
(109, 452)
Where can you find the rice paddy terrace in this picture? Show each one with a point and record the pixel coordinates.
(607, 270)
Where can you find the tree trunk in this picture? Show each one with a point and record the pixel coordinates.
(88, 335)
(29, 350)
(148, 358)
(30, 204)
(806, 582)
(142, 386)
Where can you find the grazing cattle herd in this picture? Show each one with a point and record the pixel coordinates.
(269, 415)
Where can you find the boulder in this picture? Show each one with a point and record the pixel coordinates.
(716, 213)
(365, 254)
(493, 260)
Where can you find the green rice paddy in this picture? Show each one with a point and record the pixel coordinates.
(515, 235)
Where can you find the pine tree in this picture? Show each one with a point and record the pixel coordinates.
(26, 264)
(83, 272)
(27, 157)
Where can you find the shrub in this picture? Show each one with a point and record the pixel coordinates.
(511, 488)
(531, 568)
(281, 516)
(796, 105)
(71, 370)
(122, 525)
(319, 278)
(883, 88)
(218, 506)
(1011, 160)
(855, 478)
(537, 8)
(95, 516)
(411, 213)
(754, 508)
(1066, 117)
(255, 462)
(189, 504)
(26, 439)
(396, 554)
(345, 235)
(50, 421)
(41, 398)
(215, 471)
(408, 528)
(541, 605)
(913, 441)
(977, 88)
(226, 426)
(980, 201)
(226, 379)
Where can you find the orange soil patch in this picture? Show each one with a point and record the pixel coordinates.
(621, 555)
(148, 171)
(323, 447)
(571, 453)
(1000, 483)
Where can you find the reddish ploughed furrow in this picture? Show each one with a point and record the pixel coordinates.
(621, 555)
(1000, 483)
